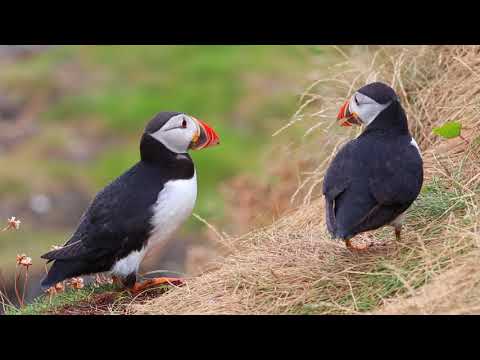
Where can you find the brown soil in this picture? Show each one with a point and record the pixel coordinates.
(108, 303)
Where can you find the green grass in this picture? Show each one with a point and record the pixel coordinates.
(45, 303)
(139, 81)
(384, 283)
(85, 301)
(434, 201)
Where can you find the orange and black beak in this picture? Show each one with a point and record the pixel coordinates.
(345, 117)
(204, 137)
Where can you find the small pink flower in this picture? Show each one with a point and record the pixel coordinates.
(101, 279)
(12, 223)
(76, 283)
(24, 260)
(51, 291)
(59, 287)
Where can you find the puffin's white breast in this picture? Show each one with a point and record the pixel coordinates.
(128, 264)
(173, 206)
(398, 221)
(414, 143)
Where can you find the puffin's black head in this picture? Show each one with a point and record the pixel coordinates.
(178, 133)
(366, 104)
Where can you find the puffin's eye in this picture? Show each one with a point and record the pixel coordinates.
(184, 124)
(356, 100)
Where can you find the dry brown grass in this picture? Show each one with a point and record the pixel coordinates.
(454, 292)
(293, 267)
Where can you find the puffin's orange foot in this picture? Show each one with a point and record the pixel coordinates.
(356, 248)
(147, 284)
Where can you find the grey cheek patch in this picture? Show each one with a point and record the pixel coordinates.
(172, 140)
(367, 111)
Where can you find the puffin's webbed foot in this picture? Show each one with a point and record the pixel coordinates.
(356, 248)
(150, 283)
(125, 282)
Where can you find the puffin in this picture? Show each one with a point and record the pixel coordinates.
(373, 179)
(140, 209)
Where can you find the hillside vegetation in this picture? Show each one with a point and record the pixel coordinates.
(293, 267)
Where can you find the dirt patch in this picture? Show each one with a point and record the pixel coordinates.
(108, 303)
(98, 304)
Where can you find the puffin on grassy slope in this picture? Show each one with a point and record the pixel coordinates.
(374, 178)
(139, 209)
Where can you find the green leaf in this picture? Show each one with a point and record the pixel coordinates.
(449, 130)
(316, 50)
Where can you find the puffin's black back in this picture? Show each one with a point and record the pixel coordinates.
(392, 120)
(374, 178)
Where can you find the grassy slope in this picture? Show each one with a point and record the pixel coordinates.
(46, 304)
(293, 266)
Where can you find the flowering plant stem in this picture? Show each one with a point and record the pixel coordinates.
(21, 299)
(17, 277)
(25, 286)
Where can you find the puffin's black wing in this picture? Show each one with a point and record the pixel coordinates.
(117, 221)
(370, 182)
(115, 224)
(66, 252)
(335, 182)
(397, 177)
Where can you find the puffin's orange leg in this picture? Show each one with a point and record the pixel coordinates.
(357, 248)
(147, 284)
(398, 233)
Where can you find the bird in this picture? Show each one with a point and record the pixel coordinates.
(140, 209)
(374, 178)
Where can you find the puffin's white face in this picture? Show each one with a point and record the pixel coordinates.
(360, 109)
(182, 132)
(366, 108)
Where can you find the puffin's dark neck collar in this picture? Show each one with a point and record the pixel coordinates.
(391, 120)
(154, 153)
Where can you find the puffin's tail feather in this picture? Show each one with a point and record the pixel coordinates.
(61, 270)
(330, 217)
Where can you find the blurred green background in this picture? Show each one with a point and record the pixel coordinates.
(71, 118)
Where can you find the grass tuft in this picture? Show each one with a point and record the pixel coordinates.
(49, 304)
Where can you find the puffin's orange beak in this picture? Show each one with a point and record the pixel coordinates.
(345, 117)
(205, 136)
